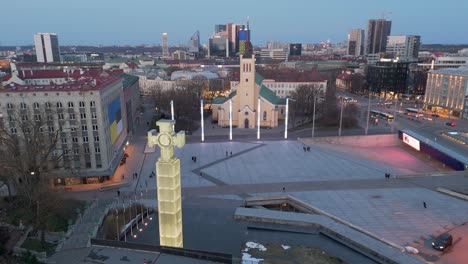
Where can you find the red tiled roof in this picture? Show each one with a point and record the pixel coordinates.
(132, 65)
(6, 77)
(84, 84)
(51, 74)
(345, 75)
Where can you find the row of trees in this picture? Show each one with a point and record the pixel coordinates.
(327, 107)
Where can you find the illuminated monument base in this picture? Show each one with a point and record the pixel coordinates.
(168, 182)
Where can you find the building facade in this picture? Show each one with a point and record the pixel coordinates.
(356, 42)
(88, 116)
(388, 78)
(244, 101)
(164, 45)
(47, 47)
(377, 32)
(403, 47)
(447, 91)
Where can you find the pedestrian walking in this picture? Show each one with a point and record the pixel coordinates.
(424, 204)
(118, 193)
(304, 148)
(226, 153)
(284, 188)
(231, 153)
(195, 159)
(308, 149)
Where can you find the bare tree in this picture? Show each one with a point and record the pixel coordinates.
(28, 148)
(304, 97)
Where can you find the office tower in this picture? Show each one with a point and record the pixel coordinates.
(377, 32)
(47, 47)
(295, 49)
(356, 42)
(403, 47)
(220, 28)
(219, 45)
(165, 48)
(245, 46)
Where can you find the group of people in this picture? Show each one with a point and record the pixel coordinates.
(227, 153)
(306, 148)
(194, 158)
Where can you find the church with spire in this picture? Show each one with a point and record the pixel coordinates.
(244, 100)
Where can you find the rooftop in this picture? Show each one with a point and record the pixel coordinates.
(463, 70)
(84, 84)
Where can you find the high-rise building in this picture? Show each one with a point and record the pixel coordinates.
(403, 47)
(377, 32)
(220, 28)
(165, 48)
(356, 42)
(47, 47)
(219, 45)
(295, 49)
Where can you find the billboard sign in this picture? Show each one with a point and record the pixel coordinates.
(411, 141)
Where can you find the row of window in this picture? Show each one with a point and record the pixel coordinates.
(81, 104)
(60, 116)
(75, 139)
(77, 151)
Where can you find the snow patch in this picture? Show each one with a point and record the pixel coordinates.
(285, 247)
(247, 259)
(254, 245)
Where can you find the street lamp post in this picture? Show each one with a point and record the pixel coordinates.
(117, 223)
(141, 204)
(258, 119)
(368, 114)
(125, 223)
(313, 118)
(286, 121)
(202, 121)
(230, 119)
(172, 113)
(341, 118)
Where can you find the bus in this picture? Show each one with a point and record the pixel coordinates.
(413, 112)
(381, 115)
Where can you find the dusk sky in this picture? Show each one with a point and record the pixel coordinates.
(119, 22)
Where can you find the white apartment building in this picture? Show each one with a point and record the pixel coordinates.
(89, 115)
(447, 91)
(275, 54)
(356, 42)
(405, 47)
(47, 47)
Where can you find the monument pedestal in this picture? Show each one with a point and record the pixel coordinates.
(169, 203)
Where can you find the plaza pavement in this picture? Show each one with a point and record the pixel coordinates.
(347, 182)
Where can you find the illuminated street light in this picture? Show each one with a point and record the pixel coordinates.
(172, 113)
(202, 121)
(341, 117)
(258, 119)
(230, 119)
(286, 121)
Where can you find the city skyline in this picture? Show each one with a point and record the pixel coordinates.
(98, 23)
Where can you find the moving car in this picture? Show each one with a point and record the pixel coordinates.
(442, 242)
(452, 124)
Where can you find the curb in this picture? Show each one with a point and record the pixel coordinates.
(452, 193)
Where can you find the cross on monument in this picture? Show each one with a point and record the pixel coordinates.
(168, 182)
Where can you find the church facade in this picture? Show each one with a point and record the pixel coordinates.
(244, 101)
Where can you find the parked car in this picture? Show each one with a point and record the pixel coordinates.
(442, 242)
(435, 115)
(452, 124)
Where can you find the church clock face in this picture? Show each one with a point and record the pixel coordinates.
(165, 140)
